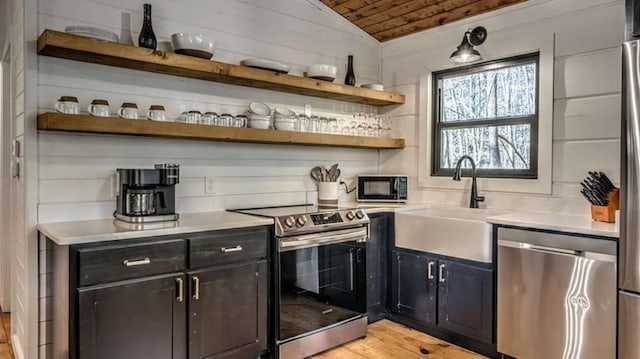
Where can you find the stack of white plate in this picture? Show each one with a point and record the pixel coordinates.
(266, 64)
(378, 87)
(91, 31)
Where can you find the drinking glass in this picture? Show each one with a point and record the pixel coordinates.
(313, 124)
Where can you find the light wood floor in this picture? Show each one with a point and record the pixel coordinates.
(5, 331)
(386, 339)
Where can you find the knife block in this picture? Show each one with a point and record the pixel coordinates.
(607, 213)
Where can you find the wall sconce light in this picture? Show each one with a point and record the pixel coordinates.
(465, 51)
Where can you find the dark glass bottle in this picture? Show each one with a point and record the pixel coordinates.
(350, 79)
(147, 38)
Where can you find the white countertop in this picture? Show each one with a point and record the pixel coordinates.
(67, 233)
(557, 222)
(560, 222)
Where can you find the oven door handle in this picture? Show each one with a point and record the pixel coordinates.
(322, 239)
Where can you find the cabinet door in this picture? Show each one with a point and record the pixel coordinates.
(138, 319)
(377, 263)
(228, 312)
(465, 300)
(414, 288)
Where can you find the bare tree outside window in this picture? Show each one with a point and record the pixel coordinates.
(490, 113)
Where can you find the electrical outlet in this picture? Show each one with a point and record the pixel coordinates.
(209, 185)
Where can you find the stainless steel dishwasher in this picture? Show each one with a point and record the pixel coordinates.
(556, 295)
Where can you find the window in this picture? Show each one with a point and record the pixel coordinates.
(489, 112)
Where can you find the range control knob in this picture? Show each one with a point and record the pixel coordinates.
(302, 220)
(289, 221)
(351, 215)
(360, 214)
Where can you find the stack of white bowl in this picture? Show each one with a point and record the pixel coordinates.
(259, 115)
(284, 119)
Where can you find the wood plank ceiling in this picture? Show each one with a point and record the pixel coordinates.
(390, 19)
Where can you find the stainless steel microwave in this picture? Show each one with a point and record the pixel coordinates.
(382, 188)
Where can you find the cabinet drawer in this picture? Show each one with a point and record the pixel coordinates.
(228, 246)
(112, 263)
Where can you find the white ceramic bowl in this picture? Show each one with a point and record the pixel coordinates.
(259, 108)
(261, 124)
(253, 116)
(197, 45)
(283, 112)
(285, 125)
(322, 72)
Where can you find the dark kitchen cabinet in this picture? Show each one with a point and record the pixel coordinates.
(143, 319)
(415, 288)
(197, 295)
(444, 293)
(228, 311)
(465, 302)
(378, 256)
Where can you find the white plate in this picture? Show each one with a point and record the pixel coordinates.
(267, 64)
(378, 87)
(91, 31)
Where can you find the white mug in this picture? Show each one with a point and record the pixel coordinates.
(156, 113)
(128, 110)
(68, 104)
(99, 108)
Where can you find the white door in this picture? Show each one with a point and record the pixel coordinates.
(5, 183)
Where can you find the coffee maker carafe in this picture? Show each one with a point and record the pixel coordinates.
(147, 195)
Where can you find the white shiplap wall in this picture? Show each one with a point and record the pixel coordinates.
(75, 171)
(586, 94)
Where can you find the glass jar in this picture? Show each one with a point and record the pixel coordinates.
(209, 118)
(225, 120)
(240, 121)
(194, 117)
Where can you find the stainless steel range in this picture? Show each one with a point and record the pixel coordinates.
(320, 277)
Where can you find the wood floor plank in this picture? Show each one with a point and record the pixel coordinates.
(6, 323)
(386, 340)
(5, 351)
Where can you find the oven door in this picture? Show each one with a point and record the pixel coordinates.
(322, 281)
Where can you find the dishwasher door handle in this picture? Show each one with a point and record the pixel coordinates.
(552, 250)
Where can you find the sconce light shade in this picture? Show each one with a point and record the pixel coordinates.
(465, 51)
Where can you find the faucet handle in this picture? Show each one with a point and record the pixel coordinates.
(479, 198)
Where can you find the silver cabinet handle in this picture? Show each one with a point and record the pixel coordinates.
(430, 270)
(196, 288)
(440, 274)
(136, 262)
(180, 297)
(231, 249)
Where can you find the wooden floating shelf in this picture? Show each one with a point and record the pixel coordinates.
(52, 121)
(80, 48)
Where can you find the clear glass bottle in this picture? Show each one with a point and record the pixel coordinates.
(147, 38)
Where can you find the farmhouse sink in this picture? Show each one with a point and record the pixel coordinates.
(451, 231)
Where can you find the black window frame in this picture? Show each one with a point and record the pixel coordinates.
(532, 120)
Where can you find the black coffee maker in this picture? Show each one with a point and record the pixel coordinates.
(147, 195)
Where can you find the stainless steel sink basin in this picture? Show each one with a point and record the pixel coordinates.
(451, 231)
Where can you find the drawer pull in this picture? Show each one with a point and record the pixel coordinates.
(136, 262)
(231, 249)
(180, 290)
(196, 288)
